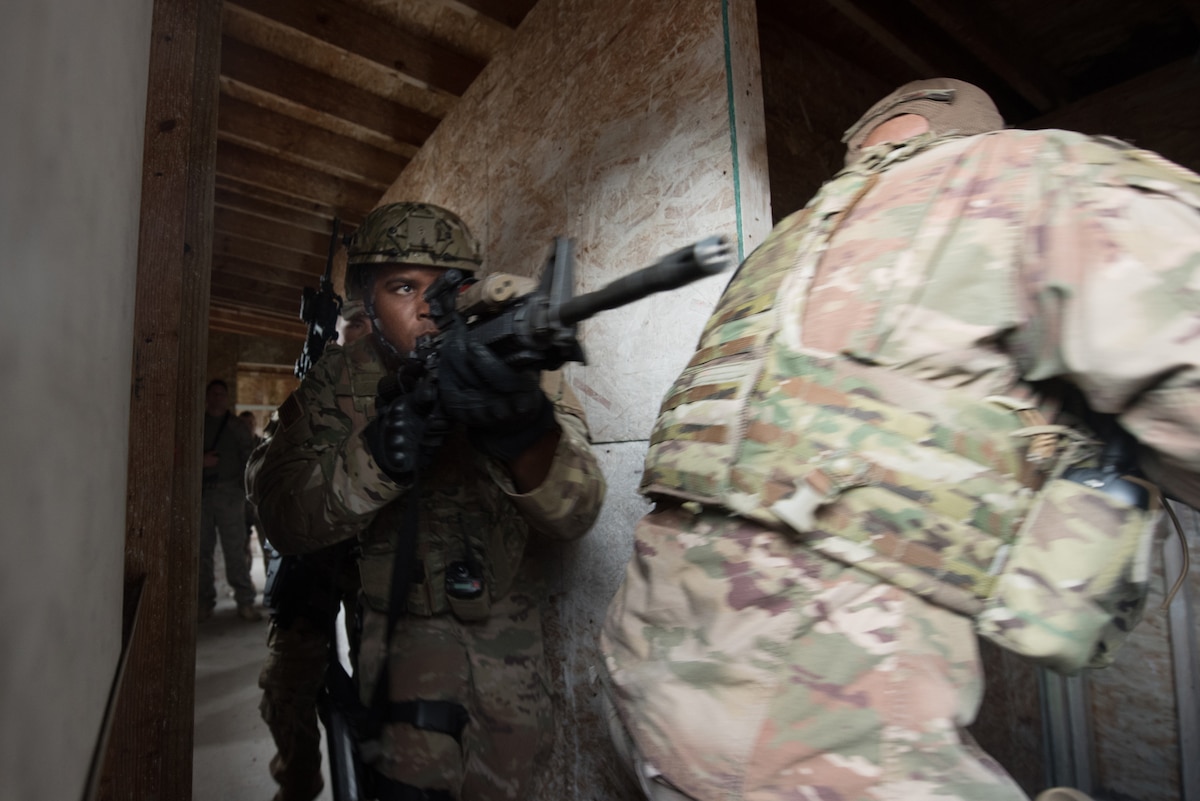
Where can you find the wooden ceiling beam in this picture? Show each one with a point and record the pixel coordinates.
(228, 198)
(920, 45)
(239, 187)
(373, 38)
(1002, 49)
(282, 235)
(250, 294)
(267, 171)
(306, 87)
(268, 255)
(234, 320)
(296, 140)
(882, 33)
(278, 276)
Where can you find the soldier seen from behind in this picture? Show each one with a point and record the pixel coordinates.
(921, 411)
(443, 473)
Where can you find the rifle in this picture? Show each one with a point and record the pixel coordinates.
(535, 329)
(290, 580)
(320, 309)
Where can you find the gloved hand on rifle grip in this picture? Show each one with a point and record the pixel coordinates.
(504, 409)
(407, 430)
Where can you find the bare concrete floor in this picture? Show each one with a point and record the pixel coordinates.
(232, 744)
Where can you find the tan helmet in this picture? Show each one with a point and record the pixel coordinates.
(409, 233)
(950, 106)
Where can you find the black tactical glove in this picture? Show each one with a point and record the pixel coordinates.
(407, 431)
(505, 410)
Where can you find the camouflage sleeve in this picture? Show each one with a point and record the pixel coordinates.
(1113, 282)
(312, 478)
(566, 504)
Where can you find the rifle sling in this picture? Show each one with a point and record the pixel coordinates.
(402, 570)
(445, 717)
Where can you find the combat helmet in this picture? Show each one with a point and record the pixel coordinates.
(950, 106)
(408, 233)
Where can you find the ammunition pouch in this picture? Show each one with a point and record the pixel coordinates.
(1073, 582)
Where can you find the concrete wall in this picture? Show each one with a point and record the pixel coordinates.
(74, 97)
(608, 121)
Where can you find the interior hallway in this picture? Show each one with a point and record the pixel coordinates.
(233, 746)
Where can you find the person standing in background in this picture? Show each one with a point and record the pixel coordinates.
(227, 447)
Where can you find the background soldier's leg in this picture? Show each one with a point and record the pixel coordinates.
(290, 679)
(208, 543)
(231, 524)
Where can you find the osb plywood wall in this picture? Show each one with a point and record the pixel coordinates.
(608, 121)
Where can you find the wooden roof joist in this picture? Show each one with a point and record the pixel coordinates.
(235, 320)
(1003, 50)
(256, 252)
(228, 198)
(270, 172)
(282, 235)
(305, 266)
(296, 140)
(277, 276)
(267, 72)
(374, 39)
(255, 295)
(242, 189)
(928, 50)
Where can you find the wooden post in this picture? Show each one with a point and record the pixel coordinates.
(149, 752)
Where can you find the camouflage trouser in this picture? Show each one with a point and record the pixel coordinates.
(223, 512)
(745, 666)
(654, 785)
(290, 679)
(495, 669)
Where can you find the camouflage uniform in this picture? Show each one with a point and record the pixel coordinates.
(760, 647)
(315, 483)
(299, 643)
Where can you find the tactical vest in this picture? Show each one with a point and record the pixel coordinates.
(461, 511)
(953, 497)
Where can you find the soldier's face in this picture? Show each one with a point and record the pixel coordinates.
(354, 329)
(399, 296)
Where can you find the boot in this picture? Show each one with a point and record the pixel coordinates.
(249, 613)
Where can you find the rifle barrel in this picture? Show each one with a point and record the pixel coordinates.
(700, 260)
